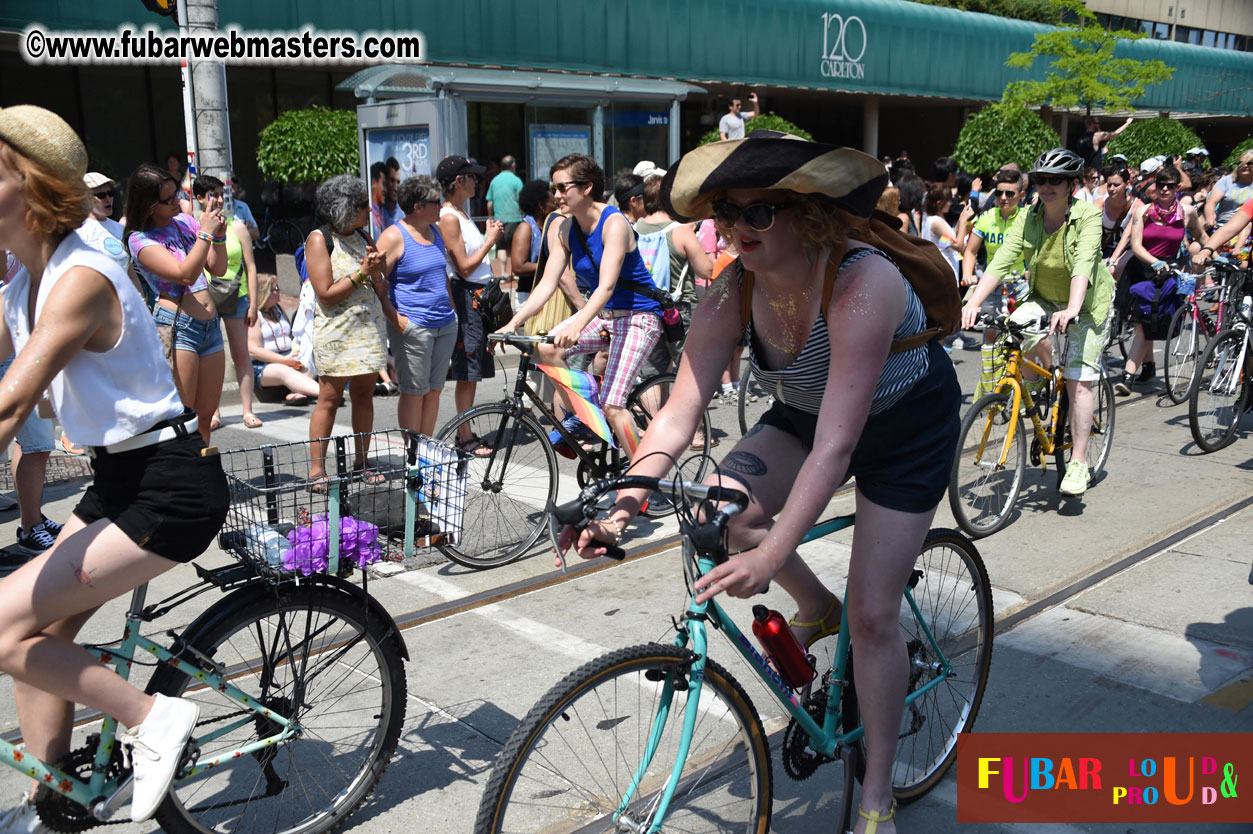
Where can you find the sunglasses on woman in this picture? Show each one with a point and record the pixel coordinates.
(105, 195)
(563, 187)
(758, 216)
(1006, 193)
(1050, 179)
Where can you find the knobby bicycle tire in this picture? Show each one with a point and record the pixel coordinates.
(1220, 392)
(1101, 437)
(1184, 343)
(508, 491)
(307, 652)
(954, 595)
(644, 402)
(982, 491)
(569, 762)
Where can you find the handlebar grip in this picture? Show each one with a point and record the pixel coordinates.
(731, 496)
(612, 551)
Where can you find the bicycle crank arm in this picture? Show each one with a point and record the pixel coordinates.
(105, 809)
(845, 755)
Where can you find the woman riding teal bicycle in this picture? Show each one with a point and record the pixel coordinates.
(82, 333)
(848, 406)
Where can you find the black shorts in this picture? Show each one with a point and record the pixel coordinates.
(471, 361)
(506, 240)
(168, 498)
(905, 455)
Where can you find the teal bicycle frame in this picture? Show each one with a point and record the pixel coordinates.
(98, 788)
(822, 739)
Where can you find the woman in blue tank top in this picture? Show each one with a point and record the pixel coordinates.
(848, 405)
(423, 331)
(600, 247)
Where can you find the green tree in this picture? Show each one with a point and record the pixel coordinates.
(1236, 152)
(1037, 10)
(1152, 137)
(1084, 71)
(764, 121)
(1001, 133)
(308, 145)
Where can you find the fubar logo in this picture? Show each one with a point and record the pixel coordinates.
(843, 46)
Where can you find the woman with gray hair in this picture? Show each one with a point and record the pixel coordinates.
(349, 346)
(424, 328)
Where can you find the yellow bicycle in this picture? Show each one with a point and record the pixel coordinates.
(992, 454)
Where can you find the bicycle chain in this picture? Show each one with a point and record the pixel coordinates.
(799, 760)
(58, 812)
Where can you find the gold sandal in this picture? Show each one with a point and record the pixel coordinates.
(874, 817)
(824, 628)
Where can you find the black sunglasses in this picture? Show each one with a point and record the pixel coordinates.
(106, 195)
(1050, 179)
(758, 216)
(1002, 192)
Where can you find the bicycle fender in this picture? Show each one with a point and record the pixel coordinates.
(225, 608)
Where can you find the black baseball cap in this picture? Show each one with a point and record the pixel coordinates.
(454, 166)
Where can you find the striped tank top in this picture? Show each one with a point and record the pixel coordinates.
(802, 384)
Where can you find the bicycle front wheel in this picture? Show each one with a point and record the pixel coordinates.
(644, 402)
(1184, 342)
(570, 764)
(954, 601)
(311, 654)
(1100, 435)
(511, 479)
(989, 466)
(1217, 399)
(284, 237)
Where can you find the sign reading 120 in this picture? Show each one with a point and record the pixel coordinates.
(843, 46)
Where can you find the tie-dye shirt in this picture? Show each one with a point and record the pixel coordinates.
(178, 238)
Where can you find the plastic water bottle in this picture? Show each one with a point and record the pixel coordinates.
(1246, 308)
(781, 646)
(267, 543)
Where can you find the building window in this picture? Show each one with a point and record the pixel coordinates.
(1208, 38)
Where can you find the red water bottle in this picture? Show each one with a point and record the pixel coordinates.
(782, 647)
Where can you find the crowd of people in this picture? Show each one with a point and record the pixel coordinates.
(747, 244)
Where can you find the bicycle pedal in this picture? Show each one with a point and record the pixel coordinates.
(191, 756)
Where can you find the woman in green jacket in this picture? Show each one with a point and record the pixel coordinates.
(1059, 240)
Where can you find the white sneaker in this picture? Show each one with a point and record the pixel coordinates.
(155, 749)
(23, 819)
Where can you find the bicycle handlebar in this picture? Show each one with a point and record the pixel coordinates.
(580, 512)
(519, 339)
(1015, 327)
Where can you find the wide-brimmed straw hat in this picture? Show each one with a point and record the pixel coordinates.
(850, 179)
(44, 137)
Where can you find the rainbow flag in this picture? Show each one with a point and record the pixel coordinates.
(584, 398)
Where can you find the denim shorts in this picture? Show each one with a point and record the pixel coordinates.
(202, 338)
(35, 433)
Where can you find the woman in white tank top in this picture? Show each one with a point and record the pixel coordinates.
(82, 333)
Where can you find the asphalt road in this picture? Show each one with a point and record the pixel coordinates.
(1126, 611)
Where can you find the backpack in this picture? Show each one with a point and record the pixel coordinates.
(300, 252)
(920, 261)
(1153, 303)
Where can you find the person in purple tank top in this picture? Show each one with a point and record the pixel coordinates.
(423, 330)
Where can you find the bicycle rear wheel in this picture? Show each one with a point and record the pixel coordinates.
(310, 653)
(1219, 393)
(954, 598)
(644, 402)
(987, 473)
(1100, 437)
(511, 480)
(571, 761)
(1184, 342)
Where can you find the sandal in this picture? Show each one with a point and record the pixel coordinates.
(366, 475)
(69, 448)
(700, 447)
(252, 421)
(215, 424)
(320, 484)
(874, 817)
(475, 445)
(825, 629)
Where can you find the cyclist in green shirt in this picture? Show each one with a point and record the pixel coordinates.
(1059, 240)
(990, 230)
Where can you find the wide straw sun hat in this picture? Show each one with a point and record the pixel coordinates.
(849, 179)
(44, 137)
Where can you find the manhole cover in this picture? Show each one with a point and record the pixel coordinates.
(61, 468)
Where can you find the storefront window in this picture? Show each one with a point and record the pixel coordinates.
(552, 131)
(635, 132)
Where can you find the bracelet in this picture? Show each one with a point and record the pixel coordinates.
(619, 527)
(205, 236)
(221, 239)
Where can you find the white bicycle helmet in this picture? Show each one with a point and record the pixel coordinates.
(1059, 161)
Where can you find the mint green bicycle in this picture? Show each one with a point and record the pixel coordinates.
(663, 738)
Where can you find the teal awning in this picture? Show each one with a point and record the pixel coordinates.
(891, 47)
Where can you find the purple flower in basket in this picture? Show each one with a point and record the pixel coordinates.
(311, 549)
